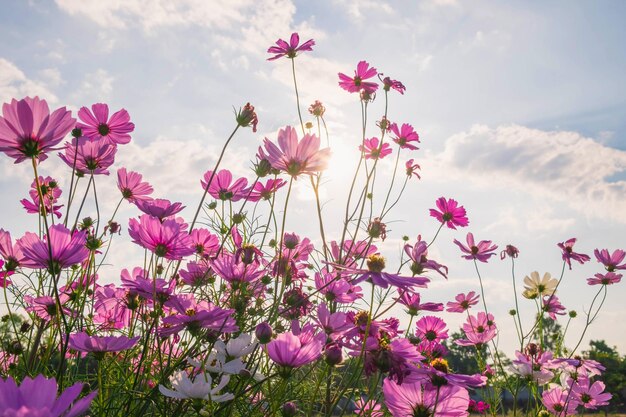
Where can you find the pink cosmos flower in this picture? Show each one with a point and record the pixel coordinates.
(166, 239)
(222, 187)
(553, 306)
(159, 208)
(413, 302)
(393, 357)
(11, 253)
(291, 49)
(97, 124)
(372, 150)
(463, 302)
(265, 191)
(197, 316)
(337, 289)
(605, 279)
(478, 330)
(197, 274)
(89, 155)
(559, 401)
(296, 157)
(82, 342)
(357, 83)
(431, 328)
(139, 283)
(132, 188)
(481, 251)
(480, 407)
(404, 136)
(375, 274)
(112, 307)
(418, 399)
(50, 191)
(568, 253)
(204, 242)
(28, 130)
(450, 213)
(411, 169)
(38, 397)
(291, 351)
(534, 367)
(388, 84)
(67, 249)
(331, 324)
(438, 374)
(418, 253)
(46, 307)
(591, 396)
(613, 261)
(230, 268)
(368, 408)
(4, 276)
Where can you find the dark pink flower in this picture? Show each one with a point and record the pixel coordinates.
(247, 117)
(375, 274)
(404, 136)
(568, 253)
(67, 249)
(38, 397)
(419, 399)
(291, 351)
(231, 268)
(98, 125)
(480, 407)
(559, 402)
(166, 239)
(450, 213)
(265, 191)
(11, 252)
(605, 279)
(431, 328)
(222, 187)
(388, 84)
(411, 169)
(50, 191)
(159, 208)
(591, 396)
(197, 316)
(357, 83)
(28, 130)
(132, 188)
(418, 253)
(337, 289)
(481, 251)
(510, 251)
(372, 150)
(295, 156)
(139, 283)
(291, 49)
(204, 242)
(553, 306)
(413, 302)
(83, 342)
(611, 261)
(89, 155)
(463, 302)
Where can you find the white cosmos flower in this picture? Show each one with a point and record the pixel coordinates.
(535, 286)
(200, 387)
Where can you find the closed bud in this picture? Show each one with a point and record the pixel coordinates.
(289, 409)
(263, 332)
(573, 314)
(333, 354)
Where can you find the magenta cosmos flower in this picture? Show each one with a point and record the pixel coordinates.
(166, 239)
(414, 305)
(417, 399)
(160, 208)
(357, 83)
(89, 155)
(411, 169)
(591, 396)
(568, 253)
(11, 252)
(265, 191)
(132, 187)
(50, 192)
(431, 328)
(462, 302)
(404, 135)
(67, 249)
(450, 213)
(38, 397)
(609, 278)
(291, 351)
(389, 84)
(418, 253)
(613, 261)
(559, 402)
(375, 274)
(372, 149)
(291, 49)
(481, 251)
(222, 187)
(82, 342)
(296, 157)
(96, 124)
(28, 130)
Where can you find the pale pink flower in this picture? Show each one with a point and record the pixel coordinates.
(291, 49)
(132, 187)
(295, 156)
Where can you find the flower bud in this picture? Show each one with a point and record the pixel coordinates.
(247, 117)
(263, 332)
(573, 314)
(512, 312)
(333, 354)
(289, 409)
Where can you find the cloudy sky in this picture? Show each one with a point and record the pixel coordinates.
(520, 108)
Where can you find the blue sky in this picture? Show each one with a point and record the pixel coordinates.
(520, 106)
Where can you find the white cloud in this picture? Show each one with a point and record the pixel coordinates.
(15, 84)
(95, 87)
(562, 165)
